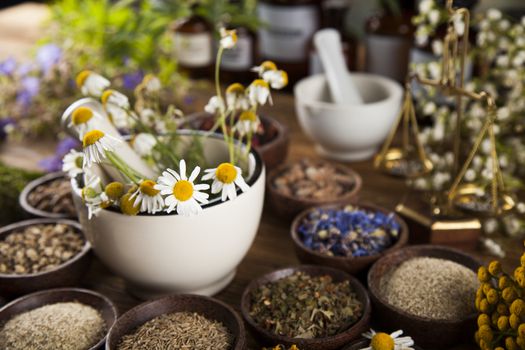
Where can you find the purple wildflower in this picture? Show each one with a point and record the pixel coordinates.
(48, 56)
(54, 163)
(24, 69)
(131, 80)
(8, 66)
(30, 88)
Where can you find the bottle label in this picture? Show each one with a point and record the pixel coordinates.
(193, 49)
(287, 32)
(239, 58)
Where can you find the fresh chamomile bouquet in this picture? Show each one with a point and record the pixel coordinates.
(500, 56)
(150, 174)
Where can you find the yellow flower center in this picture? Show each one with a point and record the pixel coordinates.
(226, 173)
(88, 192)
(236, 89)
(114, 190)
(248, 116)
(81, 77)
(284, 76)
(260, 83)
(105, 96)
(91, 137)
(147, 187)
(382, 341)
(268, 65)
(183, 190)
(79, 161)
(81, 115)
(126, 205)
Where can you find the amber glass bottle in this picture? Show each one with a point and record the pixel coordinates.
(193, 46)
(388, 42)
(285, 37)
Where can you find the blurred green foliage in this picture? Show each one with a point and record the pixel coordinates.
(12, 182)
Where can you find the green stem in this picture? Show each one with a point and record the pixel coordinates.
(124, 169)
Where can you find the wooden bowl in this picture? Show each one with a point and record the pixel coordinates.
(87, 297)
(208, 307)
(326, 343)
(67, 274)
(288, 206)
(364, 343)
(352, 265)
(273, 149)
(35, 212)
(426, 332)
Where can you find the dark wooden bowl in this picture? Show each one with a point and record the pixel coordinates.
(68, 274)
(205, 306)
(31, 210)
(288, 207)
(87, 297)
(327, 343)
(364, 343)
(273, 150)
(352, 265)
(426, 332)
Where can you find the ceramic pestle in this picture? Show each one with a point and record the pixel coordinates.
(341, 86)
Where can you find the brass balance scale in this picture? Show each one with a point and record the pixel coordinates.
(453, 216)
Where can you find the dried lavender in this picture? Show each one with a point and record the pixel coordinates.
(60, 326)
(313, 180)
(39, 248)
(179, 330)
(53, 197)
(350, 231)
(302, 306)
(432, 288)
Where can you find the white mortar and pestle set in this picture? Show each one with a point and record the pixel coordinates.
(347, 115)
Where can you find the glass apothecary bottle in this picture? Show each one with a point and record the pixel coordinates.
(237, 62)
(288, 27)
(193, 46)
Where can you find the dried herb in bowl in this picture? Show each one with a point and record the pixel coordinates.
(307, 179)
(179, 330)
(304, 306)
(59, 326)
(53, 197)
(349, 231)
(38, 248)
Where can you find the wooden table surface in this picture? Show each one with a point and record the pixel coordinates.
(272, 248)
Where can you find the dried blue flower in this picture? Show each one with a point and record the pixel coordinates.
(30, 88)
(348, 232)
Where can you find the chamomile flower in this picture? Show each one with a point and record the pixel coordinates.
(183, 194)
(236, 97)
(259, 92)
(83, 119)
(277, 79)
(91, 83)
(117, 106)
(248, 122)
(96, 144)
(264, 67)
(383, 341)
(72, 163)
(225, 177)
(148, 197)
(143, 144)
(228, 38)
(93, 196)
(214, 105)
(151, 83)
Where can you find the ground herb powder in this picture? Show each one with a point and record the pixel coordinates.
(180, 330)
(432, 288)
(60, 326)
